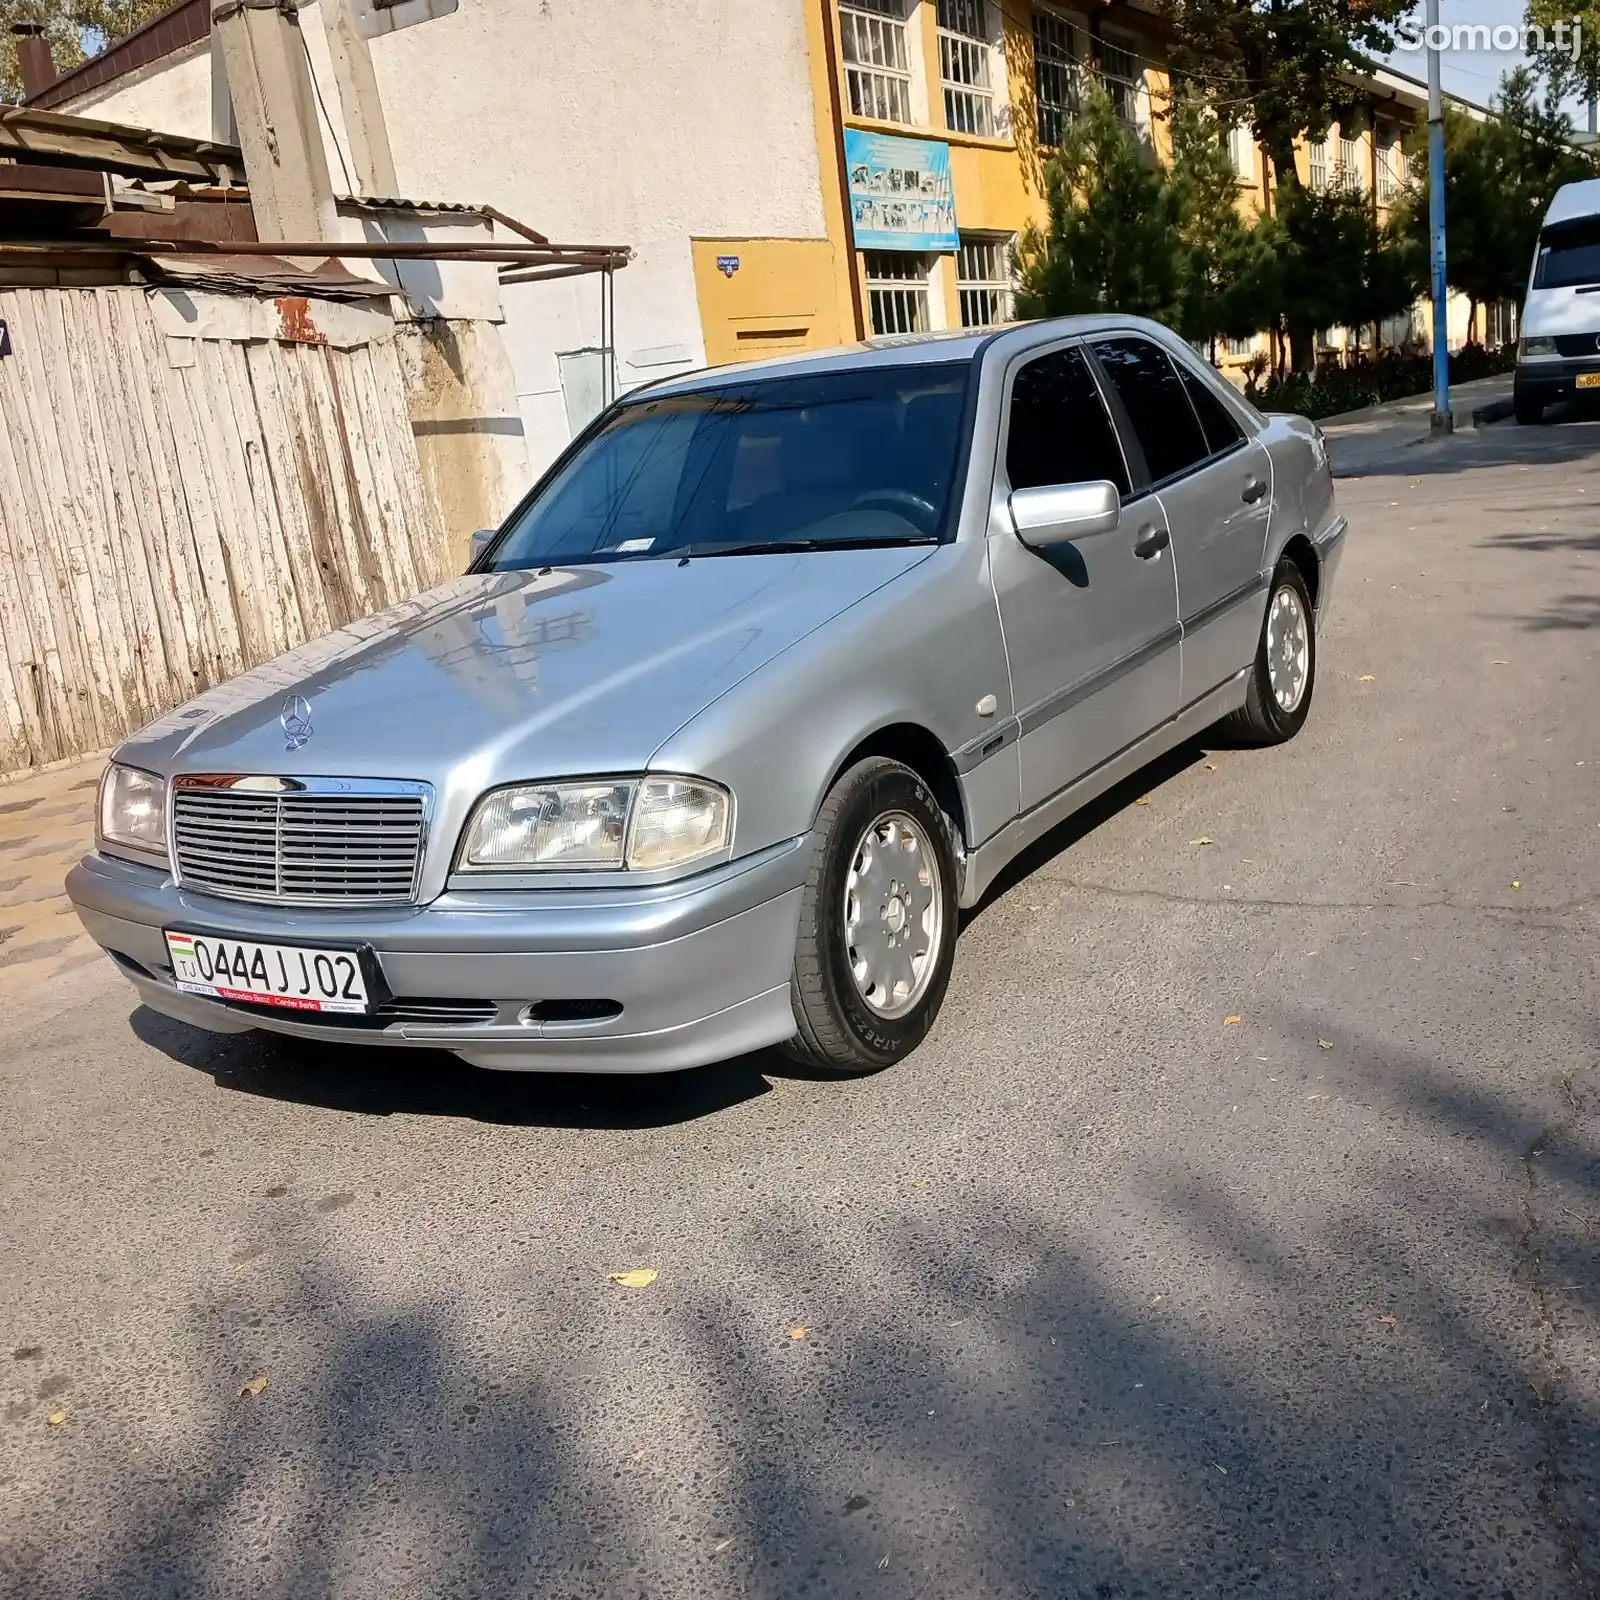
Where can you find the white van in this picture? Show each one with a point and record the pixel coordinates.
(1559, 351)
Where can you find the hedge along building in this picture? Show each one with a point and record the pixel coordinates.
(791, 173)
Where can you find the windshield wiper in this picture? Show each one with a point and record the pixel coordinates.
(778, 547)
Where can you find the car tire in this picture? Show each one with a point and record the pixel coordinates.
(1285, 669)
(881, 883)
(1528, 411)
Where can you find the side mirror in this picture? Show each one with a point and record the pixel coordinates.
(1059, 513)
(478, 543)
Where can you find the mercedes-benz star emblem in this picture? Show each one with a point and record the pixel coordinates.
(296, 720)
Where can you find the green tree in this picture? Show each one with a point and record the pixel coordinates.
(1570, 59)
(75, 30)
(1227, 260)
(1276, 66)
(1111, 243)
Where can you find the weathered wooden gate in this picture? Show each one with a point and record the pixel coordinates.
(176, 506)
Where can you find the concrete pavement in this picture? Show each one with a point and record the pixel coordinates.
(1234, 1234)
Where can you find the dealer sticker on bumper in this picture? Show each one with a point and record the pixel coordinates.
(296, 977)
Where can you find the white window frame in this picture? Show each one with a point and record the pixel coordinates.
(983, 279)
(1240, 348)
(875, 40)
(1317, 164)
(899, 298)
(1069, 68)
(1127, 89)
(1242, 148)
(966, 66)
(1351, 178)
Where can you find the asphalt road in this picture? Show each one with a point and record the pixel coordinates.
(1235, 1233)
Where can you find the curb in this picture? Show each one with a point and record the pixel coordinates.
(1495, 411)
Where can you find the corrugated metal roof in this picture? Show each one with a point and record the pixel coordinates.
(381, 202)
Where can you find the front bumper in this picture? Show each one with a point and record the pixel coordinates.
(700, 968)
(1555, 378)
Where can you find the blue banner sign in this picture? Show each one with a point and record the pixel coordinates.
(901, 197)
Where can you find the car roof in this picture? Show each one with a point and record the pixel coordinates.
(904, 350)
(1574, 200)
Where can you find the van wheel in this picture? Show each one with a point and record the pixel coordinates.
(1285, 669)
(877, 922)
(1528, 410)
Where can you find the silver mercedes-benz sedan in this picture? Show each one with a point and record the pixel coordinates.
(768, 677)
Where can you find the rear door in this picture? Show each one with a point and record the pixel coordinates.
(1090, 626)
(1215, 487)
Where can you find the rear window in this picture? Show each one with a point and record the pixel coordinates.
(1569, 255)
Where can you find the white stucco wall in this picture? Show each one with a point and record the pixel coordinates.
(636, 122)
(172, 95)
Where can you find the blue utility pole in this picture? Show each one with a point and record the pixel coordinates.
(1441, 421)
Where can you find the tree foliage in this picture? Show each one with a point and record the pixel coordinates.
(1275, 68)
(1173, 243)
(1111, 243)
(75, 30)
(1566, 71)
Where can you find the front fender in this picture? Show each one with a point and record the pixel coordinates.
(925, 650)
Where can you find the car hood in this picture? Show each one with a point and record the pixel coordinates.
(510, 675)
(1553, 311)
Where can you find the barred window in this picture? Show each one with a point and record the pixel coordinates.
(964, 66)
(1057, 72)
(1119, 72)
(1351, 178)
(1317, 150)
(897, 290)
(983, 276)
(877, 62)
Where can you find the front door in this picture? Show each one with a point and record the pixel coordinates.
(1091, 626)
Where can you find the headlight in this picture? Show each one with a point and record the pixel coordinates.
(1535, 346)
(133, 811)
(642, 824)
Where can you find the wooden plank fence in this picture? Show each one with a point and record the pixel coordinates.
(173, 511)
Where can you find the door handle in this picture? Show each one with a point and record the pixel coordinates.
(1151, 541)
(1254, 488)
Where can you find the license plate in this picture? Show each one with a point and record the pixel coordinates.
(1589, 380)
(296, 977)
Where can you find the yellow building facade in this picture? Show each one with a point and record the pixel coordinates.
(934, 121)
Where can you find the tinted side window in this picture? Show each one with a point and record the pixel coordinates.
(1061, 431)
(1157, 406)
(1217, 422)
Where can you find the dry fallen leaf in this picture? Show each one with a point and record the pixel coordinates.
(1325, 1044)
(1392, 1321)
(639, 1278)
(1143, 800)
(717, 1549)
(1228, 1022)
(56, 1418)
(1201, 840)
(257, 1385)
(1366, 677)
(1210, 767)
(797, 1332)
(1499, 663)
(1516, 883)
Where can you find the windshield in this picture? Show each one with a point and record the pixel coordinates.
(1569, 255)
(844, 458)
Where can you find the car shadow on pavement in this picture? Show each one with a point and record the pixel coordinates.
(433, 1083)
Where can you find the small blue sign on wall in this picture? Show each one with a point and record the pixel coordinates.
(901, 197)
(727, 265)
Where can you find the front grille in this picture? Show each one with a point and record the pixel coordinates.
(1577, 344)
(440, 1013)
(296, 846)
